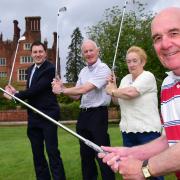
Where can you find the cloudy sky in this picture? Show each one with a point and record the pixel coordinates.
(80, 13)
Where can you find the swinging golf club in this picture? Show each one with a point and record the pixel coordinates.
(12, 69)
(84, 140)
(57, 42)
(119, 35)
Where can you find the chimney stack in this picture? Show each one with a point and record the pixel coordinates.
(55, 40)
(16, 31)
(33, 23)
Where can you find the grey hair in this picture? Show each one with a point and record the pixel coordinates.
(90, 41)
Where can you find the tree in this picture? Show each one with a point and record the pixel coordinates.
(74, 60)
(135, 31)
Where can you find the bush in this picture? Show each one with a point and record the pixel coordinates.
(70, 111)
(6, 104)
(63, 99)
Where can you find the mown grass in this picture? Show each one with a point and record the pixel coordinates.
(16, 157)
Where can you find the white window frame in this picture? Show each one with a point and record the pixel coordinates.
(3, 74)
(2, 61)
(27, 46)
(22, 74)
(26, 59)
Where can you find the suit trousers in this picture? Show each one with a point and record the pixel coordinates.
(46, 132)
(93, 125)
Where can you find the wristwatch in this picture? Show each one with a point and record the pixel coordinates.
(145, 170)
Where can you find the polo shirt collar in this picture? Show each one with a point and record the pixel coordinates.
(92, 67)
(172, 75)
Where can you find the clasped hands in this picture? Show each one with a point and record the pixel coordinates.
(111, 86)
(11, 90)
(57, 86)
(122, 160)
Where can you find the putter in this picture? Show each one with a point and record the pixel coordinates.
(84, 140)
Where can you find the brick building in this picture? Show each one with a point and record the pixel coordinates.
(23, 57)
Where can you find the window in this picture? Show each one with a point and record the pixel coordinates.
(22, 74)
(3, 74)
(26, 59)
(27, 46)
(2, 61)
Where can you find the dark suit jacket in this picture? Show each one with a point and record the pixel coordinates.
(40, 94)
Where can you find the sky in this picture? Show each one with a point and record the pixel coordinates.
(79, 13)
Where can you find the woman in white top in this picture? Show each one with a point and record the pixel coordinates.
(137, 97)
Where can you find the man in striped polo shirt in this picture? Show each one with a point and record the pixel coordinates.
(161, 156)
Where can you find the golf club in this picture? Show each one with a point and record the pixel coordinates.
(57, 42)
(86, 141)
(119, 35)
(20, 39)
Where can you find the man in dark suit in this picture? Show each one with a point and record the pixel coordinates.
(39, 94)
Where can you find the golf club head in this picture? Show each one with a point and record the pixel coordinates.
(22, 38)
(62, 9)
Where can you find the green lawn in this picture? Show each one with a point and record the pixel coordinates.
(16, 158)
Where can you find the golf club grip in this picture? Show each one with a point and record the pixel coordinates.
(94, 146)
(97, 148)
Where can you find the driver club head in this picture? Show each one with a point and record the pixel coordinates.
(22, 38)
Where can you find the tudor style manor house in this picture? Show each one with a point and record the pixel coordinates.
(23, 57)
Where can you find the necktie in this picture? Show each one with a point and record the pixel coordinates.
(34, 76)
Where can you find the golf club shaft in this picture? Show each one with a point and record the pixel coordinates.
(86, 141)
(57, 48)
(58, 74)
(12, 69)
(119, 35)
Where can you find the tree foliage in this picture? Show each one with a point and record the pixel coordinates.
(74, 60)
(135, 31)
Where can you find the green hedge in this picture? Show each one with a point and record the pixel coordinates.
(6, 104)
(70, 111)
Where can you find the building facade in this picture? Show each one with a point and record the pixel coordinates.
(23, 60)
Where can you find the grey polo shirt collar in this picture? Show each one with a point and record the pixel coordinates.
(92, 67)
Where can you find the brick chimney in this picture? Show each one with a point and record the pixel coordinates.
(46, 43)
(54, 41)
(16, 31)
(33, 28)
(1, 37)
(33, 23)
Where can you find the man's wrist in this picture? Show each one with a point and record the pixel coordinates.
(16, 92)
(145, 169)
(112, 93)
(61, 90)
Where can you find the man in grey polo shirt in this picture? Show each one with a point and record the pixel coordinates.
(93, 118)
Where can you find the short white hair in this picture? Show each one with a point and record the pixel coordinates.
(89, 41)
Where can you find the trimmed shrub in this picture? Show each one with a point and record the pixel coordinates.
(70, 111)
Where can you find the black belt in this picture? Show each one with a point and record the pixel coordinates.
(93, 108)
